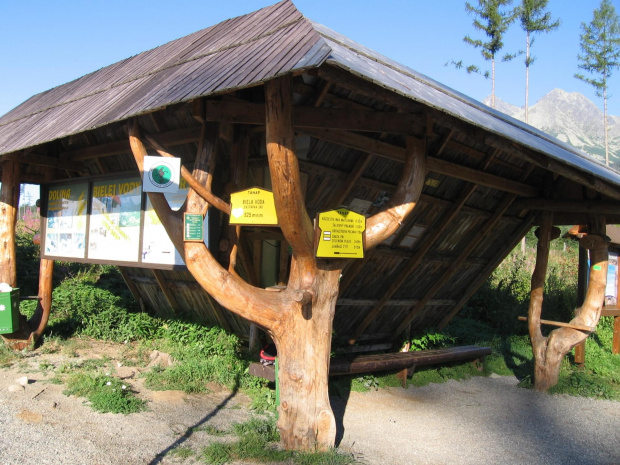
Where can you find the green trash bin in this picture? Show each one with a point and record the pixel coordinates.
(9, 311)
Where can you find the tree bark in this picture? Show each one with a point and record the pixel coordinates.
(549, 351)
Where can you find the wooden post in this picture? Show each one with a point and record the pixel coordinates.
(9, 202)
(582, 283)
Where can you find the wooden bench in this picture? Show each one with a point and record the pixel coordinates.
(404, 362)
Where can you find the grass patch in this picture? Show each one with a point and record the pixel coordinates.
(257, 440)
(105, 393)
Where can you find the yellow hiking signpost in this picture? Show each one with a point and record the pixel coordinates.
(253, 206)
(341, 234)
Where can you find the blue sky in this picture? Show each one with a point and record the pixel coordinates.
(47, 43)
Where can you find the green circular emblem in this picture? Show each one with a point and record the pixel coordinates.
(161, 175)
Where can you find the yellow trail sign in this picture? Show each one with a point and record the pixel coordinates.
(341, 234)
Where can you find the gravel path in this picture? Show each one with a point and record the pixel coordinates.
(479, 421)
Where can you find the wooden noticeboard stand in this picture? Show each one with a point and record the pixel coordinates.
(608, 310)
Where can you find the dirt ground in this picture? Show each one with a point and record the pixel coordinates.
(482, 420)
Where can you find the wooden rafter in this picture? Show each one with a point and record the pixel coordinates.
(46, 161)
(447, 275)
(340, 195)
(170, 138)
(483, 275)
(429, 239)
(383, 149)
(595, 207)
(229, 111)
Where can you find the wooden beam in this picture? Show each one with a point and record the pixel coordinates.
(392, 152)
(170, 138)
(563, 325)
(595, 207)
(447, 275)
(228, 111)
(488, 269)
(161, 282)
(342, 192)
(47, 161)
(392, 303)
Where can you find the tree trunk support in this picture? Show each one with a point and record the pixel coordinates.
(549, 351)
(299, 318)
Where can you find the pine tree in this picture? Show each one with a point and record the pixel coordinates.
(534, 19)
(600, 47)
(491, 18)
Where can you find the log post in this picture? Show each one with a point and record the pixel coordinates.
(9, 204)
(549, 351)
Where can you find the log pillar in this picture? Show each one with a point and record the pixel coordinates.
(9, 204)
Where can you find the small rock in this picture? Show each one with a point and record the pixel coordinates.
(160, 358)
(16, 388)
(23, 381)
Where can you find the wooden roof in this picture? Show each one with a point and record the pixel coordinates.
(488, 175)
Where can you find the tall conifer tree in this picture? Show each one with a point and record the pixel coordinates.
(534, 19)
(600, 54)
(492, 18)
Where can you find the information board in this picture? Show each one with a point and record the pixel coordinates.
(192, 227)
(341, 234)
(65, 228)
(253, 206)
(114, 231)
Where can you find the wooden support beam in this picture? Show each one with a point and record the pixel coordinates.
(170, 139)
(594, 207)
(563, 325)
(341, 193)
(227, 111)
(161, 282)
(483, 275)
(428, 240)
(392, 303)
(47, 161)
(447, 275)
(392, 152)
(130, 284)
(9, 203)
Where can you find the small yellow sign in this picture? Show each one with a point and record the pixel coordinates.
(341, 234)
(253, 206)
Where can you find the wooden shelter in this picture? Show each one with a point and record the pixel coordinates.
(488, 175)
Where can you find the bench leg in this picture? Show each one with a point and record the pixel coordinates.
(479, 363)
(402, 375)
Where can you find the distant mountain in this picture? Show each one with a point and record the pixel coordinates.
(572, 118)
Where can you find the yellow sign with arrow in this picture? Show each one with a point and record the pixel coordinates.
(341, 234)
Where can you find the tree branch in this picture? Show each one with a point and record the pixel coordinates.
(205, 193)
(385, 223)
(284, 168)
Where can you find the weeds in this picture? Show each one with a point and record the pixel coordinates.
(257, 439)
(105, 393)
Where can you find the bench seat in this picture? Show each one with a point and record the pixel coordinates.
(404, 362)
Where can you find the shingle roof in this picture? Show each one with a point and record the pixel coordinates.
(242, 52)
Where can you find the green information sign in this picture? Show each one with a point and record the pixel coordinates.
(192, 227)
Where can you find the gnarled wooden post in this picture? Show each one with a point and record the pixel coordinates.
(549, 351)
(299, 318)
